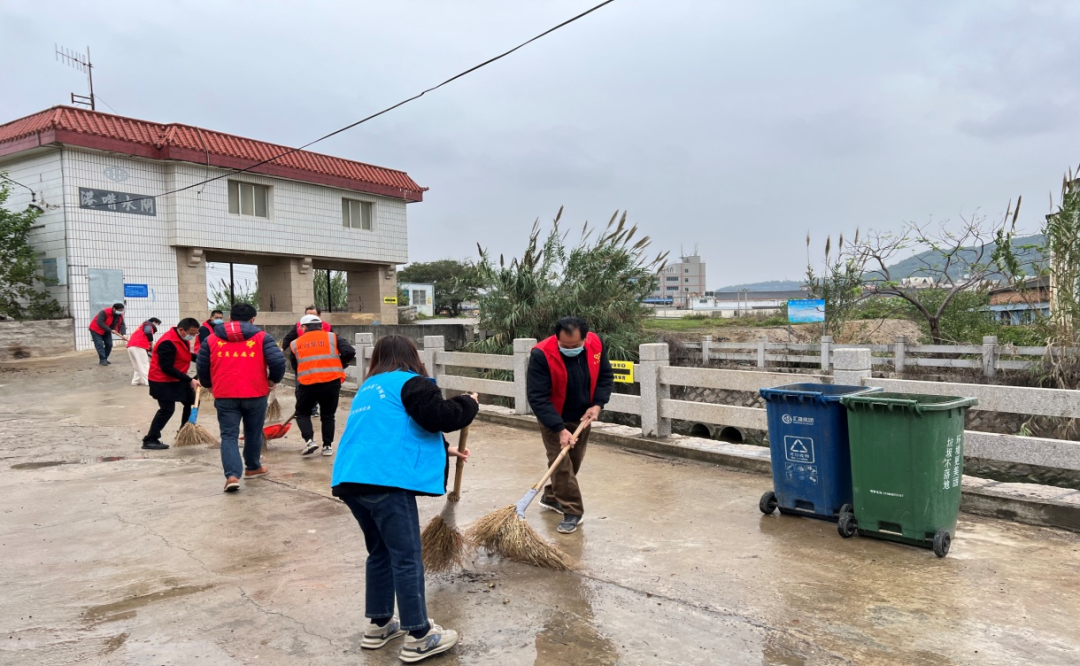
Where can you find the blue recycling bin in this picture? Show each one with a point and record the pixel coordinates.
(808, 440)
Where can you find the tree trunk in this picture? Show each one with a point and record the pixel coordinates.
(935, 330)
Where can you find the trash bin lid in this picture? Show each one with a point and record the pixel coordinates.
(815, 391)
(916, 402)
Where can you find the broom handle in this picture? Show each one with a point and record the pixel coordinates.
(460, 468)
(198, 392)
(562, 454)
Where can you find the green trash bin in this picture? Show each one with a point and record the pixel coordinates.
(907, 458)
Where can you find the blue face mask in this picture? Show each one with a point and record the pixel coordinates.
(218, 321)
(571, 352)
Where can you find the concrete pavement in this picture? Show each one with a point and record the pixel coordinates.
(112, 555)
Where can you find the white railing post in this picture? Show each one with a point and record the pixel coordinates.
(433, 344)
(899, 354)
(652, 358)
(851, 366)
(989, 355)
(706, 343)
(826, 352)
(365, 342)
(522, 350)
(761, 352)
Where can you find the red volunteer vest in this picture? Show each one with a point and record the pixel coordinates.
(300, 329)
(183, 358)
(139, 339)
(557, 366)
(110, 316)
(237, 366)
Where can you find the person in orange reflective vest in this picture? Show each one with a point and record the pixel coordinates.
(240, 363)
(569, 380)
(318, 358)
(139, 345)
(102, 327)
(286, 342)
(169, 381)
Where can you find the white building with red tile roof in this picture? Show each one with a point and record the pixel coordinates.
(127, 208)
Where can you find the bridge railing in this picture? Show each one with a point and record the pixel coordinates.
(656, 408)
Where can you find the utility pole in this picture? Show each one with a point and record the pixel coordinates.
(83, 64)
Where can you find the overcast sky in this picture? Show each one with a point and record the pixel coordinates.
(736, 126)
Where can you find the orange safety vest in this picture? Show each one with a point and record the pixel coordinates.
(317, 358)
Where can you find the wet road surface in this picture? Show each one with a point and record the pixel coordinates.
(112, 555)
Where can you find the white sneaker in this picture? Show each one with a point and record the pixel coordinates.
(310, 447)
(327, 450)
(436, 641)
(376, 637)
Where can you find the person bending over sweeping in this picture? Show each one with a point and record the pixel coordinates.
(318, 359)
(569, 377)
(169, 381)
(240, 363)
(391, 451)
(139, 345)
(102, 327)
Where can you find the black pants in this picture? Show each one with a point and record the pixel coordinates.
(324, 395)
(166, 408)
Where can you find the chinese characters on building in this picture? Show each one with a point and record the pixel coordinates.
(122, 202)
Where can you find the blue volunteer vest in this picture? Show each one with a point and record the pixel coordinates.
(383, 446)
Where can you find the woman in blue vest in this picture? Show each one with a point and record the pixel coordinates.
(391, 451)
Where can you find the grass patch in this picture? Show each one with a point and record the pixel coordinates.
(698, 323)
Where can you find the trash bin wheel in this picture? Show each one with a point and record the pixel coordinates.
(767, 504)
(847, 526)
(942, 541)
(847, 508)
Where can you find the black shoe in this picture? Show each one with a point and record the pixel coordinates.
(103, 362)
(570, 524)
(155, 445)
(552, 505)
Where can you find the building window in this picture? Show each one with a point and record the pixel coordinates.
(687, 280)
(356, 214)
(686, 270)
(673, 279)
(672, 288)
(248, 199)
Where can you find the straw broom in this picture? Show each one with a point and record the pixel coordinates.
(273, 407)
(193, 434)
(443, 545)
(507, 533)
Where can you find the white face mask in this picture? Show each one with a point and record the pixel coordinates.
(119, 312)
(187, 338)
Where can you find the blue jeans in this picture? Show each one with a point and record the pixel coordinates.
(230, 412)
(391, 528)
(103, 345)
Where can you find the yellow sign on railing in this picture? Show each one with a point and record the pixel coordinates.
(390, 300)
(624, 371)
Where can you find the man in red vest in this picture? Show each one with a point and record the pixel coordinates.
(102, 327)
(139, 345)
(169, 381)
(216, 317)
(569, 380)
(240, 364)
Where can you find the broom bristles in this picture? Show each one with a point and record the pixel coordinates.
(503, 532)
(193, 434)
(442, 546)
(273, 408)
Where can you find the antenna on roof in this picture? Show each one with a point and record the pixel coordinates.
(81, 63)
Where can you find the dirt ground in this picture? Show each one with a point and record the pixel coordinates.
(112, 555)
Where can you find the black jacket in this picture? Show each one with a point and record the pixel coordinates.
(577, 388)
(275, 362)
(204, 330)
(424, 403)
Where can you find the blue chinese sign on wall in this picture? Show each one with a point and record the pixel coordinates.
(806, 312)
(121, 202)
(136, 291)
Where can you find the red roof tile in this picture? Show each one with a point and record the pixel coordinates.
(173, 141)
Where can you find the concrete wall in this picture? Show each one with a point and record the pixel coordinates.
(35, 339)
(305, 219)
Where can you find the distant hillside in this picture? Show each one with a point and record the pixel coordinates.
(917, 265)
(771, 285)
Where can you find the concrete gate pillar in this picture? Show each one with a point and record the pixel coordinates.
(191, 284)
(369, 287)
(288, 284)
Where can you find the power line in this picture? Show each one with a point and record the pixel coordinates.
(388, 109)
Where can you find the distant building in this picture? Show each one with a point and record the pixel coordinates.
(744, 303)
(680, 283)
(421, 296)
(1013, 305)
